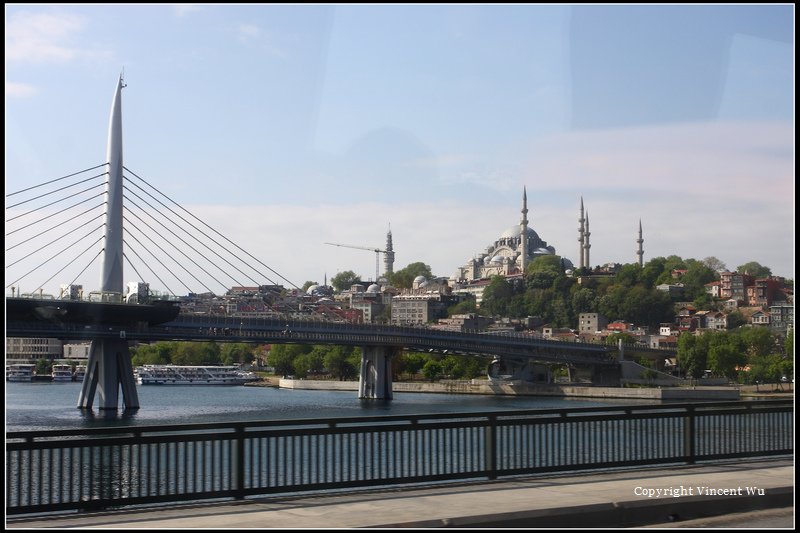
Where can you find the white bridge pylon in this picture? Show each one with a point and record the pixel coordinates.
(109, 366)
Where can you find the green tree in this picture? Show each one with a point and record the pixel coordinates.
(342, 362)
(309, 363)
(736, 319)
(233, 353)
(754, 269)
(714, 264)
(756, 341)
(44, 367)
(432, 369)
(788, 344)
(344, 280)
(281, 357)
(692, 355)
(724, 358)
(404, 278)
(463, 307)
(196, 353)
(497, 296)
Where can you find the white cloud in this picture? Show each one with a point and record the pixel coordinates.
(20, 90)
(248, 31)
(46, 38)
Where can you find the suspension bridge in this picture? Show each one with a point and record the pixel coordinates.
(107, 216)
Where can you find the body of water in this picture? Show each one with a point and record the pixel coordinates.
(40, 406)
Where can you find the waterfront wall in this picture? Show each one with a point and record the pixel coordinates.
(515, 388)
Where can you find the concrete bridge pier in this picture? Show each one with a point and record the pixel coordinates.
(375, 380)
(109, 367)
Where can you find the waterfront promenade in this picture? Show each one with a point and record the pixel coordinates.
(618, 498)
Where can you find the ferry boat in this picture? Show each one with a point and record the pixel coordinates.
(62, 372)
(20, 372)
(191, 375)
(80, 371)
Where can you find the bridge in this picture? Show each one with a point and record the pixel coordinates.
(111, 324)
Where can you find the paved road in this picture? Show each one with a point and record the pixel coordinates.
(609, 499)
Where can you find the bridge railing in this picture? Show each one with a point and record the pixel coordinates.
(108, 467)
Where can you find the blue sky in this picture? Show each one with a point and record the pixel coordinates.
(289, 126)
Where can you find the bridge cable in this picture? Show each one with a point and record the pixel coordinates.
(186, 243)
(55, 191)
(58, 226)
(68, 264)
(131, 264)
(215, 231)
(87, 266)
(165, 252)
(56, 255)
(183, 241)
(56, 240)
(56, 213)
(145, 264)
(201, 232)
(159, 262)
(57, 201)
(55, 180)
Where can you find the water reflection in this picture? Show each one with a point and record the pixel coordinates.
(109, 417)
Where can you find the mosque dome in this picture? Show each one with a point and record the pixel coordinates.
(374, 288)
(543, 251)
(419, 279)
(514, 231)
(311, 289)
(497, 259)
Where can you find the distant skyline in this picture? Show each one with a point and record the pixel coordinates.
(288, 126)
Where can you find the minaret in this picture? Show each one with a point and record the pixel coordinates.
(639, 241)
(581, 237)
(523, 231)
(586, 244)
(388, 256)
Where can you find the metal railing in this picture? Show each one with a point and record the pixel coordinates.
(108, 467)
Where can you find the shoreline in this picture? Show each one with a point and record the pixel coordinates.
(513, 388)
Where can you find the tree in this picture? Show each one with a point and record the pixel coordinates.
(404, 278)
(342, 362)
(432, 369)
(788, 344)
(736, 319)
(463, 307)
(496, 296)
(281, 357)
(754, 269)
(344, 280)
(723, 359)
(233, 353)
(714, 264)
(691, 355)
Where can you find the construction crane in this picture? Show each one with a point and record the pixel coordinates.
(377, 251)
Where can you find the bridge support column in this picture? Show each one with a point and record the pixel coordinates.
(375, 380)
(109, 367)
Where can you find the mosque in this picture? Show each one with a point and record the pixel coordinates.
(510, 254)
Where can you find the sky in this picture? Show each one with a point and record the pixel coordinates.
(288, 126)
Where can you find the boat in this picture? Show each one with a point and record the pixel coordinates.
(189, 375)
(20, 372)
(62, 372)
(80, 371)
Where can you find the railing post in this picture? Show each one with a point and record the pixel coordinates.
(238, 464)
(689, 435)
(491, 447)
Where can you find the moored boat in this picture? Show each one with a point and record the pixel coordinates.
(189, 375)
(62, 372)
(20, 372)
